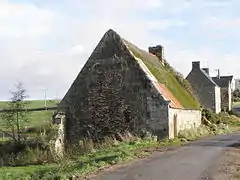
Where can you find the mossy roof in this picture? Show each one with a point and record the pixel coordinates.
(164, 76)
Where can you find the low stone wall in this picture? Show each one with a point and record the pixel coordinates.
(181, 119)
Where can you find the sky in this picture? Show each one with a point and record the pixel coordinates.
(45, 43)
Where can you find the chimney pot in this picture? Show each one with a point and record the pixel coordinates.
(196, 65)
(157, 51)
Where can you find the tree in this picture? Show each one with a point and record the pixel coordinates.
(16, 114)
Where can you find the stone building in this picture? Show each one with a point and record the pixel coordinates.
(206, 89)
(116, 92)
(237, 83)
(225, 83)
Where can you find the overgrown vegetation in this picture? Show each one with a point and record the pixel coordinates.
(230, 117)
(236, 95)
(184, 82)
(87, 158)
(34, 158)
(213, 124)
(179, 87)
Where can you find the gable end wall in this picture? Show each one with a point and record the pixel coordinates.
(112, 94)
(207, 93)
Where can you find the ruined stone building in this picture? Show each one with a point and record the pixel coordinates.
(122, 88)
(237, 83)
(206, 89)
(225, 83)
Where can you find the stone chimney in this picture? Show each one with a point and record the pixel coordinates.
(206, 70)
(157, 51)
(218, 73)
(196, 65)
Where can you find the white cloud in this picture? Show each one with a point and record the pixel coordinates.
(46, 48)
(78, 49)
(216, 22)
(217, 3)
(24, 20)
(213, 59)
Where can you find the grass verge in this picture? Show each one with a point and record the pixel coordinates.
(93, 161)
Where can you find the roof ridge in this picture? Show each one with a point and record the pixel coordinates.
(208, 77)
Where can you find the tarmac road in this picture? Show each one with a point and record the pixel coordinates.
(185, 163)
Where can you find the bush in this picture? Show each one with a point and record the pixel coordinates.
(211, 116)
(192, 134)
(223, 117)
(33, 151)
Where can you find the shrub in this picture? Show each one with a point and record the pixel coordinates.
(192, 134)
(32, 151)
(211, 116)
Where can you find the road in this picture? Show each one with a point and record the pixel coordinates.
(185, 163)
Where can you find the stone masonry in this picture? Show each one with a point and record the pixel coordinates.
(158, 51)
(113, 94)
(207, 90)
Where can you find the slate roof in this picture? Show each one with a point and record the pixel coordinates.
(223, 81)
(209, 78)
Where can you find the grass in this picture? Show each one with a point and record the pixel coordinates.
(33, 103)
(25, 173)
(167, 77)
(82, 165)
(235, 104)
(36, 118)
(106, 155)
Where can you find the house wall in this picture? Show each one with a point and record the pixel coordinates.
(226, 98)
(237, 83)
(207, 94)
(113, 95)
(157, 120)
(233, 85)
(185, 119)
(230, 97)
(218, 100)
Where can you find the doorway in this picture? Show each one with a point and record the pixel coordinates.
(175, 125)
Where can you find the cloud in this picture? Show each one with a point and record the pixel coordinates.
(46, 48)
(215, 22)
(24, 20)
(45, 45)
(78, 49)
(217, 3)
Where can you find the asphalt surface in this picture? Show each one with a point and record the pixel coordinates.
(185, 163)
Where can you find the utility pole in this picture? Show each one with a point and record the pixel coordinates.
(45, 97)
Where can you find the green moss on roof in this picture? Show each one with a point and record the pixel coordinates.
(165, 76)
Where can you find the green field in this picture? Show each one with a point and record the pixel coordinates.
(33, 103)
(36, 118)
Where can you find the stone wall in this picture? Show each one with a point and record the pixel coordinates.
(180, 119)
(226, 98)
(111, 95)
(204, 88)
